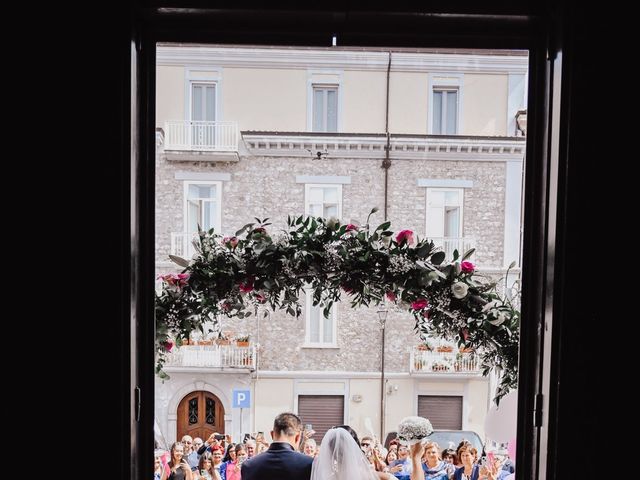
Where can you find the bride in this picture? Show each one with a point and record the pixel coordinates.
(341, 458)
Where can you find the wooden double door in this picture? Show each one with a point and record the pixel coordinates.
(199, 415)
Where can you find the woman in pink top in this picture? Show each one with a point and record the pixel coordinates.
(233, 469)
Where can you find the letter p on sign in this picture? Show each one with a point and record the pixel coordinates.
(241, 398)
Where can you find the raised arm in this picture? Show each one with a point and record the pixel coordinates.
(416, 451)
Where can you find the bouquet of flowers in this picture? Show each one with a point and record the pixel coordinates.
(414, 429)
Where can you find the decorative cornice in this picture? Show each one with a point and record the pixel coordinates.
(407, 147)
(298, 58)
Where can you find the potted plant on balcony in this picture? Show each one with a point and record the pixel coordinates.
(242, 340)
(223, 339)
(445, 349)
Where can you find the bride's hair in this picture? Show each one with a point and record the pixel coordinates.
(351, 431)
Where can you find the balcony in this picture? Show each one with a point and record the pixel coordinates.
(449, 244)
(213, 356)
(448, 362)
(201, 141)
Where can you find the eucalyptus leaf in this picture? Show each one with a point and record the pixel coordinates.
(244, 229)
(468, 254)
(179, 261)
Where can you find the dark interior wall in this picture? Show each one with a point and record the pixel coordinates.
(578, 403)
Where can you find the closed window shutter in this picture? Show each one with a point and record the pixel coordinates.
(443, 411)
(435, 213)
(322, 412)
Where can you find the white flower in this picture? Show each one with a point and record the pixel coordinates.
(399, 264)
(459, 290)
(412, 430)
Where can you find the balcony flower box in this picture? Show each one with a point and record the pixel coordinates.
(444, 349)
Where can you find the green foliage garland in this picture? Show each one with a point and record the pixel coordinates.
(231, 276)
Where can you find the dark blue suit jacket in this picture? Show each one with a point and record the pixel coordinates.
(279, 462)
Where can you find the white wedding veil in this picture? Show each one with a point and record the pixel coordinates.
(341, 458)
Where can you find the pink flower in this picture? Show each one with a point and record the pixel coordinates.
(465, 334)
(226, 306)
(261, 298)
(405, 235)
(168, 345)
(230, 242)
(391, 296)
(420, 304)
(179, 280)
(467, 267)
(247, 286)
(350, 227)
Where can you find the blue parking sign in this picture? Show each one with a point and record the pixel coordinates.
(241, 398)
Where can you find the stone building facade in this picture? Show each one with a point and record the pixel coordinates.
(278, 164)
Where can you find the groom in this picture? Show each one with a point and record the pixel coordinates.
(280, 461)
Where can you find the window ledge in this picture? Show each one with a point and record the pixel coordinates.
(319, 345)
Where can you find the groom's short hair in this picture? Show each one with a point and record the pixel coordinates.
(287, 424)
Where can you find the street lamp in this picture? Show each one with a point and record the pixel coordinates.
(382, 318)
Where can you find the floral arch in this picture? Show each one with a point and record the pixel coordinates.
(231, 276)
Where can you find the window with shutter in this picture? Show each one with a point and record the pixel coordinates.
(325, 108)
(443, 411)
(444, 212)
(322, 412)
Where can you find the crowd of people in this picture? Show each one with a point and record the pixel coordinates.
(294, 454)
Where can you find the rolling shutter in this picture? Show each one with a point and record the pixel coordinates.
(443, 411)
(322, 412)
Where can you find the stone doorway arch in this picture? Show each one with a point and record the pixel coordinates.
(199, 414)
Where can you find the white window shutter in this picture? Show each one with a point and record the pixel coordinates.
(435, 214)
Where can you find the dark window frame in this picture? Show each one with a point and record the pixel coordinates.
(505, 27)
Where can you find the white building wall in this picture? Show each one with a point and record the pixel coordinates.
(364, 101)
(265, 99)
(484, 104)
(272, 397)
(408, 97)
(170, 101)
